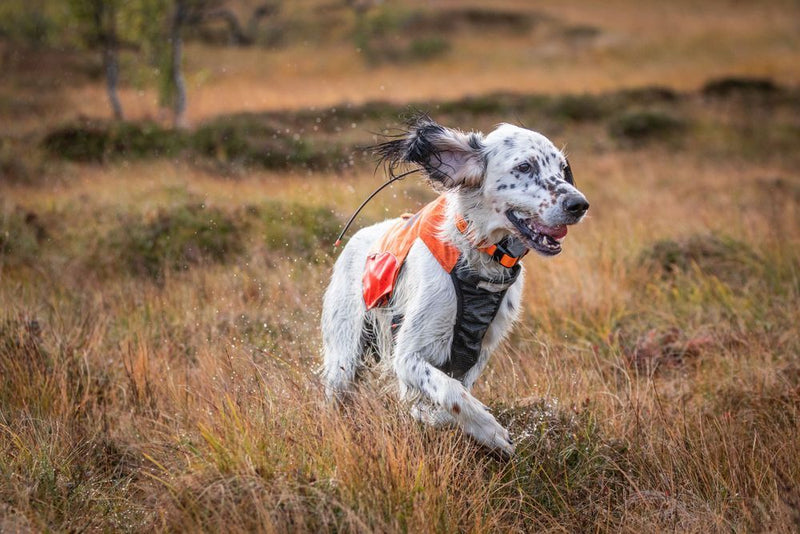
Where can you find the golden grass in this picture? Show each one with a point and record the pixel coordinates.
(643, 394)
(191, 404)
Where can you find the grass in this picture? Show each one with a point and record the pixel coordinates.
(174, 239)
(652, 384)
(161, 290)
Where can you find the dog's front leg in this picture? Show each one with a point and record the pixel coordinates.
(418, 375)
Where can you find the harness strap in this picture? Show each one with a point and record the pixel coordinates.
(498, 252)
(477, 307)
(478, 299)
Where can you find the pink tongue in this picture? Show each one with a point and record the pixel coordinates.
(556, 232)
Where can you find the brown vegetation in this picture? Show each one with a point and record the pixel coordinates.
(159, 310)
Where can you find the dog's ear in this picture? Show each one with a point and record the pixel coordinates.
(451, 158)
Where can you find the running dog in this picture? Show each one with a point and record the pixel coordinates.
(430, 296)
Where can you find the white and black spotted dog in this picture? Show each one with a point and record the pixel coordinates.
(512, 188)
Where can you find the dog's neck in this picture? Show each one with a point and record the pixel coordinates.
(480, 232)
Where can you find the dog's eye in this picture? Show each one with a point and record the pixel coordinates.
(524, 167)
(568, 175)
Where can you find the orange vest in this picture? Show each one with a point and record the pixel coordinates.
(389, 253)
(477, 304)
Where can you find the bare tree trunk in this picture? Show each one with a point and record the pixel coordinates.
(107, 35)
(112, 77)
(179, 100)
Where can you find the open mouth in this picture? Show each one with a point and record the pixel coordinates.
(543, 239)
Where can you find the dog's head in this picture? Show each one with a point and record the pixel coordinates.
(524, 182)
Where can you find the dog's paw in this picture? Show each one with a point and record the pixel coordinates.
(484, 428)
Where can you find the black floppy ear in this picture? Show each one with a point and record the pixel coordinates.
(451, 158)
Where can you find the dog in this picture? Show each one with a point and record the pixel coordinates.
(430, 322)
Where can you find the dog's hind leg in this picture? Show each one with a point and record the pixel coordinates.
(343, 313)
(342, 326)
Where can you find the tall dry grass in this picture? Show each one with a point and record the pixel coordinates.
(651, 385)
(159, 319)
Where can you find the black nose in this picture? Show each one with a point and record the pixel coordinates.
(575, 205)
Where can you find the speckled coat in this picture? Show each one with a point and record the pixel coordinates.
(485, 179)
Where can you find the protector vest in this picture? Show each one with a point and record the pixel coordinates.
(478, 298)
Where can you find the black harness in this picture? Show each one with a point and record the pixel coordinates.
(478, 301)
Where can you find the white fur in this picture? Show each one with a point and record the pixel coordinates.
(472, 176)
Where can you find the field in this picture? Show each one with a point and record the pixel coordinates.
(160, 289)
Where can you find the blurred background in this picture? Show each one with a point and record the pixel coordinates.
(173, 174)
(64, 60)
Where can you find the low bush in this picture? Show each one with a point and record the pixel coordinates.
(21, 233)
(578, 108)
(238, 140)
(727, 259)
(251, 141)
(298, 230)
(736, 85)
(649, 94)
(175, 239)
(189, 234)
(427, 48)
(92, 141)
(638, 127)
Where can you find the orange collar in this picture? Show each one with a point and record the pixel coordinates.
(497, 251)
